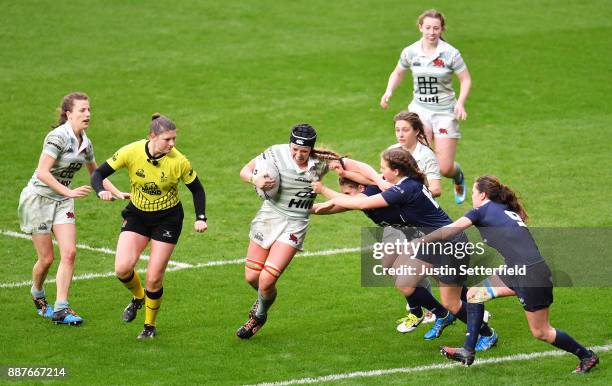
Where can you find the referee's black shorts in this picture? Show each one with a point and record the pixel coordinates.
(162, 225)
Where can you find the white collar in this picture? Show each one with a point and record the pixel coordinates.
(85, 140)
(485, 202)
(311, 163)
(439, 48)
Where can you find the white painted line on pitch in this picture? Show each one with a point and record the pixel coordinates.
(84, 276)
(418, 369)
(330, 252)
(176, 266)
(87, 276)
(95, 249)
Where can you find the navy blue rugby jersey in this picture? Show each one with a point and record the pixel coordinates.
(412, 204)
(505, 231)
(388, 216)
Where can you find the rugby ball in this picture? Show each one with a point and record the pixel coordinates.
(265, 166)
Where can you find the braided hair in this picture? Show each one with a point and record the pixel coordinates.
(401, 159)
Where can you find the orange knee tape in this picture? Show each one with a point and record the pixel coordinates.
(272, 269)
(254, 264)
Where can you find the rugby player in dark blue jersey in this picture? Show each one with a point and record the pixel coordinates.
(500, 218)
(389, 217)
(409, 201)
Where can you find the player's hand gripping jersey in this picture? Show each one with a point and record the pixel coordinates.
(154, 186)
(295, 196)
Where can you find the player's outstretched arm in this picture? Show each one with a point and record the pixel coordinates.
(97, 181)
(367, 172)
(395, 79)
(108, 186)
(448, 231)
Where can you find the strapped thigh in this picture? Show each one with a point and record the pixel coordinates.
(272, 269)
(254, 264)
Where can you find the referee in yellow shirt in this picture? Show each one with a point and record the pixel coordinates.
(154, 213)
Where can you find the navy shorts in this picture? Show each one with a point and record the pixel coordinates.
(162, 225)
(535, 289)
(449, 265)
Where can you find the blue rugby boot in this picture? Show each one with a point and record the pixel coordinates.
(43, 308)
(67, 316)
(460, 190)
(439, 326)
(486, 342)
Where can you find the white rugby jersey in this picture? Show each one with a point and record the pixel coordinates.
(63, 145)
(295, 196)
(426, 160)
(432, 75)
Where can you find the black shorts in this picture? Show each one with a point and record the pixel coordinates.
(535, 289)
(449, 264)
(162, 225)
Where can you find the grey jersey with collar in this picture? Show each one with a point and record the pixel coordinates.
(62, 145)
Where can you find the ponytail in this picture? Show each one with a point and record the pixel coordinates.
(68, 105)
(500, 193)
(324, 154)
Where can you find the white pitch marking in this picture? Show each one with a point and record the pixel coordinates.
(418, 369)
(176, 266)
(95, 249)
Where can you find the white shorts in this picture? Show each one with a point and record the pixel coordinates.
(38, 214)
(444, 124)
(269, 226)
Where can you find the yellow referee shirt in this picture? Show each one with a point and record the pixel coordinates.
(154, 187)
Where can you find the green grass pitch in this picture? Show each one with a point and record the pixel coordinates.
(235, 76)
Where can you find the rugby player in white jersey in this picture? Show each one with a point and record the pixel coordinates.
(410, 134)
(46, 204)
(432, 62)
(279, 228)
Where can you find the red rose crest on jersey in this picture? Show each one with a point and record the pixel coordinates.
(443, 131)
(293, 238)
(438, 62)
(69, 215)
